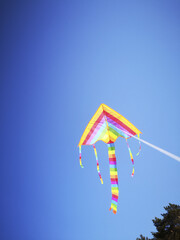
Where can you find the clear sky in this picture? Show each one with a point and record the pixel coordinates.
(59, 61)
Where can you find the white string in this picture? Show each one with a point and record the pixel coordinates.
(155, 147)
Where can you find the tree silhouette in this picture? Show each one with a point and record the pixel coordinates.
(168, 228)
(143, 238)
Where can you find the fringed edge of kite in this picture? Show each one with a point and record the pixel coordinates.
(139, 145)
(131, 156)
(80, 156)
(95, 152)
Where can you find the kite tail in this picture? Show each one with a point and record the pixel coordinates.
(139, 145)
(97, 163)
(80, 156)
(131, 157)
(113, 176)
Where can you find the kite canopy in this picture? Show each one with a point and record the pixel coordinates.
(107, 125)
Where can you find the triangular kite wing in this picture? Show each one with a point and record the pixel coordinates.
(107, 125)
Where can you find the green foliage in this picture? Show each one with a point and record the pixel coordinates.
(168, 228)
(143, 238)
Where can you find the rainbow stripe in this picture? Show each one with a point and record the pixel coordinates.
(113, 177)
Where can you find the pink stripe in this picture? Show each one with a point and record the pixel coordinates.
(115, 199)
(117, 125)
(112, 162)
(114, 182)
(96, 131)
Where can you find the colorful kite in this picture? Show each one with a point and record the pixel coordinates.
(107, 125)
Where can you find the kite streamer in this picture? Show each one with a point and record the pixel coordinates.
(80, 157)
(131, 156)
(97, 163)
(139, 145)
(113, 177)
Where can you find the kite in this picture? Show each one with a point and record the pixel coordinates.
(107, 125)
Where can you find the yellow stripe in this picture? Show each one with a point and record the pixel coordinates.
(111, 151)
(90, 124)
(113, 175)
(121, 118)
(115, 192)
(105, 138)
(114, 206)
(112, 136)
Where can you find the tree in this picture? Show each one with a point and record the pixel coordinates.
(143, 238)
(168, 228)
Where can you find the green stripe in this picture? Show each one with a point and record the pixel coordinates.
(113, 131)
(114, 206)
(111, 148)
(113, 169)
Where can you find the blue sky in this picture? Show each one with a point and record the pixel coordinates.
(59, 61)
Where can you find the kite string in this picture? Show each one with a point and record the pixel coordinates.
(171, 155)
(97, 163)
